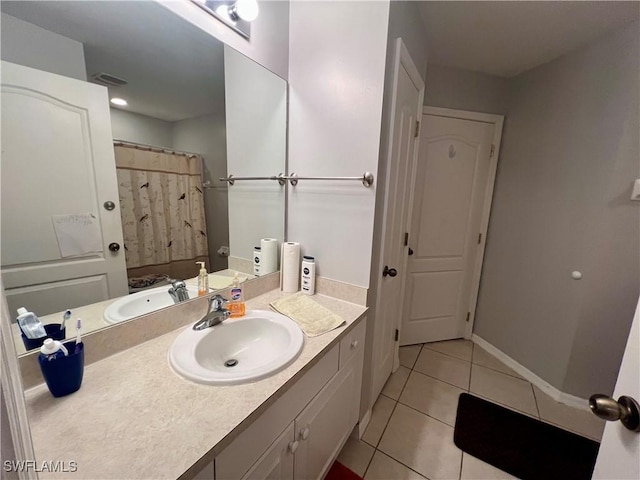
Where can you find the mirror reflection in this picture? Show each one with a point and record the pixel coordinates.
(118, 120)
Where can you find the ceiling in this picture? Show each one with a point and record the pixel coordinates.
(172, 76)
(506, 38)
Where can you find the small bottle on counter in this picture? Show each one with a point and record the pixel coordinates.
(308, 275)
(203, 280)
(257, 256)
(236, 305)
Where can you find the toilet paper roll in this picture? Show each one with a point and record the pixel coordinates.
(269, 260)
(290, 271)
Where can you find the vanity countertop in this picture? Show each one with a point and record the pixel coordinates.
(134, 417)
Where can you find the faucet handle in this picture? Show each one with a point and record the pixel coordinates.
(178, 284)
(217, 302)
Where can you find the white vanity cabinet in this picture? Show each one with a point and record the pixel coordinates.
(301, 434)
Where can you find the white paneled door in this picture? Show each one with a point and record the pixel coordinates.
(406, 104)
(58, 163)
(454, 186)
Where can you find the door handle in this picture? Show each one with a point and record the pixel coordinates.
(114, 247)
(392, 272)
(304, 434)
(625, 409)
(410, 251)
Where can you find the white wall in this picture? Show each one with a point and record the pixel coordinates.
(269, 43)
(569, 156)
(466, 90)
(336, 75)
(26, 44)
(137, 128)
(206, 136)
(405, 21)
(256, 101)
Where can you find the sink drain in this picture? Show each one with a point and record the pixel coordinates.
(231, 363)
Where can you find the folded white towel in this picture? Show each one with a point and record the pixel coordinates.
(313, 318)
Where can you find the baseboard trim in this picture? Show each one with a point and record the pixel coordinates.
(553, 392)
(363, 423)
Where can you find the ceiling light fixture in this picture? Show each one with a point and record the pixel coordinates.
(245, 9)
(121, 102)
(236, 14)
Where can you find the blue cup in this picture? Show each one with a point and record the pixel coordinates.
(54, 331)
(64, 374)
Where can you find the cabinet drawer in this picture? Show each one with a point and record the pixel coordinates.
(235, 460)
(352, 343)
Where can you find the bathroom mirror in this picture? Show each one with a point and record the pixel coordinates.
(100, 201)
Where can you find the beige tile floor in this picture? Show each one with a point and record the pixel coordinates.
(410, 435)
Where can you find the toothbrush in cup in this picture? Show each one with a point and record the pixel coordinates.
(78, 336)
(65, 317)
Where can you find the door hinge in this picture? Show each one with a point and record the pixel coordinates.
(397, 334)
(468, 315)
(479, 238)
(406, 238)
(415, 135)
(493, 150)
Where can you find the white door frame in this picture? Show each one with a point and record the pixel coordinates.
(13, 393)
(401, 58)
(497, 121)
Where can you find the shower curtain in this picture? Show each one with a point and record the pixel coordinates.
(162, 210)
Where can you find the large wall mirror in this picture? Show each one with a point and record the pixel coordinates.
(107, 204)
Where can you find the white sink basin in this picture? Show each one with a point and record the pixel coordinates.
(236, 351)
(140, 303)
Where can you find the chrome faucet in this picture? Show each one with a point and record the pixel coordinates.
(178, 291)
(216, 313)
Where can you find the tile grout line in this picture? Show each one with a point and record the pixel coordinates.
(448, 354)
(443, 381)
(364, 474)
(499, 371)
(508, 407)
(380, 439)
(376, 449)
(393, 410)
(490, 368)
(404, 465)
(427, 415)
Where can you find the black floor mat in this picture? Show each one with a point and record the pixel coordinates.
(521, 445)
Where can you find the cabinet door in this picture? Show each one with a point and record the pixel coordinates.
(277, 462)
(323, 427)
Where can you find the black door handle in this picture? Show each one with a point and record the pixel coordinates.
(392, 272)
(114, 247)
(410, 251)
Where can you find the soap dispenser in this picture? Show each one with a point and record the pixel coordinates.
(203, 280)
(236, 305)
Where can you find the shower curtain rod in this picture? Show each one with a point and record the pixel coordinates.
(152, 148)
